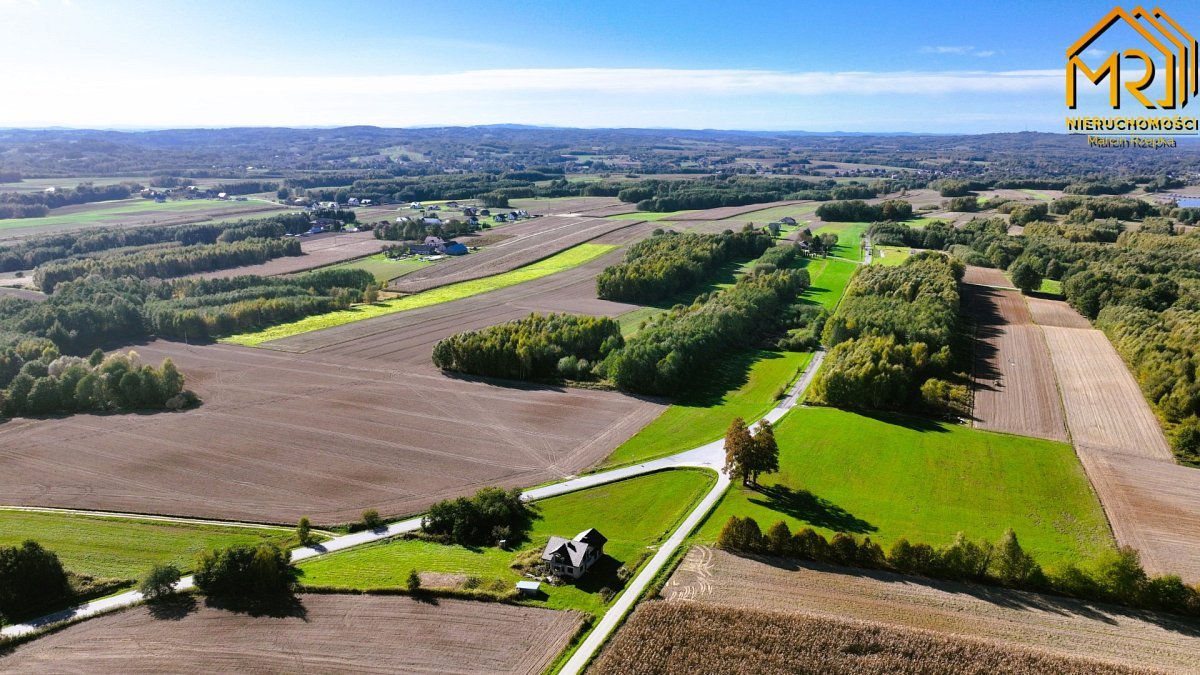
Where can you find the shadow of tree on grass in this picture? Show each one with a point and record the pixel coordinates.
(816, 511)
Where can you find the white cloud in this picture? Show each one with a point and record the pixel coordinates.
(958, 50)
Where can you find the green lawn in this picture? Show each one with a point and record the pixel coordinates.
(106, 211)
(741, 386)
(1051, 287)
(122, 548)
(891, 255)
(572, 257)
(774, 213)
(635, 514)
(829, 278)
(849, 244)
(383, 268)
(1039, 195)
(648, 215)
(892, 476)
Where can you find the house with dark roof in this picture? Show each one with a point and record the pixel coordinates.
(571, 558)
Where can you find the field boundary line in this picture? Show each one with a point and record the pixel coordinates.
(122, 515)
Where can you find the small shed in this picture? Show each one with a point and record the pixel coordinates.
(529, 589)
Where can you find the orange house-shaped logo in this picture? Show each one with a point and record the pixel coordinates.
(1166, 39)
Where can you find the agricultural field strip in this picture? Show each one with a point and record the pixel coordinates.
(710, 456)
(1059, 625)
(154, 518)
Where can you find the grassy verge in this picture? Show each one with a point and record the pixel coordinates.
(122, 548)
(572, 257)
(745, 385)
(892, 476)
(635, 514)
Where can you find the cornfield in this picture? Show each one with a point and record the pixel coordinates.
(689, 637)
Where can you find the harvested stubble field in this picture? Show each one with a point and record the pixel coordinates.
(596, 207)
(530, 241)
(323, 634)
(282, 435)
(1015, 390)
(1105, 406)
(685, 638)
(1151, 503)
(1007, 618)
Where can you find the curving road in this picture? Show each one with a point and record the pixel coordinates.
(709, 456)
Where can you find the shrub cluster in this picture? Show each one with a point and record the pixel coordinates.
(1116, 577)
(30, 578)
(491, 515)
(538, 347)
(665, 264)
(245, 571)
(860, 211)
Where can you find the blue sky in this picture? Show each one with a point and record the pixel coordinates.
(864, 66)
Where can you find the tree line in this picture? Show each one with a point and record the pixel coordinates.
(717, 191)
(1117, 576)
(167, 262)
(665, 264)
(859, 211)
(38, 204)
(538, 347)
(893, 340)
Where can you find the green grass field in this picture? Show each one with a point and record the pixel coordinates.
(122, 548)
(891, 476)
(572, 257)
(742, 386)
(383, 268)
(849, 244)
(106, 211)
(764, 216)
(1051, 287)
(635, 514)
(647, 215)
(829, 278)
(1039, 195)
(890, 256)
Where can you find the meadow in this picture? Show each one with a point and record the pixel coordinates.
(648, 215)
(123, 548)
(113, 211)
(570, 258)
(635, 514)
(383, 268)
(764, 216)
(892, 476)
(849, 244)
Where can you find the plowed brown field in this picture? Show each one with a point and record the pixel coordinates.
(319, 251)
(722, 212)
(530, 241)
(1013, 618)
(1055, 313)
(1014, 378)
(986, 276)
(326, 634)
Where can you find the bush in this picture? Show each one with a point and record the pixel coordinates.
(244, 571)
(30, 578)
(371, 520)
(492, 514)
(160, 581)
(413, 582)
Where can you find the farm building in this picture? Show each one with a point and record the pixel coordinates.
(788, 220)
(574, 557)
(454, 248)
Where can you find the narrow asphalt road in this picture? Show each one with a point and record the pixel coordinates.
(708, 456)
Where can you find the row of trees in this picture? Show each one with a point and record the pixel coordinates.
(538, 347)
(667, 263)
(167, 262)
(1116, 577)
(681, 344)
(490, 516)
(84, 193)
(53, 384)
(859, 211)
(717, 191)
(891, 340)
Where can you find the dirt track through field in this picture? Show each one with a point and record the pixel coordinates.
(1056, 625)
(1015, 390)
(324, 634)
(530, 241)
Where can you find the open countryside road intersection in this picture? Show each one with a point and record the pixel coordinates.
(709, 456)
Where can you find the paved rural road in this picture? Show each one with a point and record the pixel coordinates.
(708, 456)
